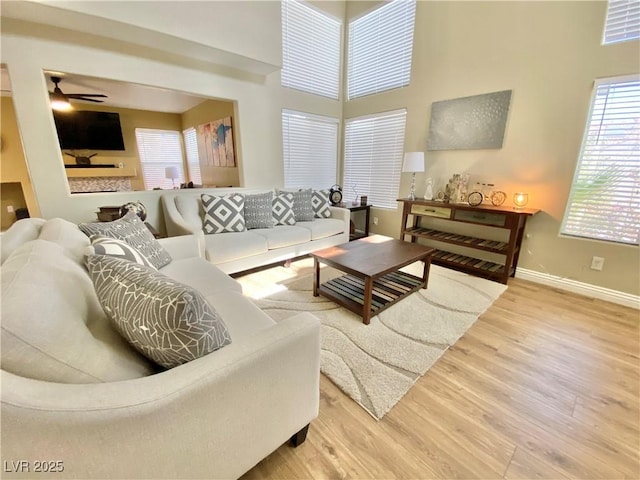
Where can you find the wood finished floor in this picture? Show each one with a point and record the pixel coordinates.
(544, 385)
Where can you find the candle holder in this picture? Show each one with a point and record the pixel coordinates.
(520, 199)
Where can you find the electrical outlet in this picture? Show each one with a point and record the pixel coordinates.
(597, 263)
(375, 220)
(10, 208)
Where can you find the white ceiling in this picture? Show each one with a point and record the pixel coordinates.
(120, 94)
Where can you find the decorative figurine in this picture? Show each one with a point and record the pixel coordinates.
(428, 193)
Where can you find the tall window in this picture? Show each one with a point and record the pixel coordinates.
(310, 150)
(604, 202)
(623, 21)
(159, 149)
(373, 147)
(380, 48)
(193, 159)
(310, 50)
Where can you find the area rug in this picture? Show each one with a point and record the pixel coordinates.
(377, 364)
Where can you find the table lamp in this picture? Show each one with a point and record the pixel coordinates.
(172, 173)
(413, 162)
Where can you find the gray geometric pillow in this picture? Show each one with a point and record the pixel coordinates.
(118, 249)
(167, 321)
(134, 232)
(224, 213)
(282, 209)
(257, 210)
(320, 203)
(302, 206)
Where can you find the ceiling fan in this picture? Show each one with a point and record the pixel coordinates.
(59, 96)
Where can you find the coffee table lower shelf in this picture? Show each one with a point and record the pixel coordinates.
(348, 291)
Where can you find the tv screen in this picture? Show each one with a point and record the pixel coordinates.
(89, 130)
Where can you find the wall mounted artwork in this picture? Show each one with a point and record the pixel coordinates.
(467, 123)
(215, 143)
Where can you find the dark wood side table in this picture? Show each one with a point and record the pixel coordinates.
(357, 234)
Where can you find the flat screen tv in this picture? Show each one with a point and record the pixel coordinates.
(89, 130)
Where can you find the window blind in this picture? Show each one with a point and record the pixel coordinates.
(373, 147)
(158, 149)
(310, 150)
(380, 49)
(310, 50)
(623, 21)
(193, 159)
(604, 202)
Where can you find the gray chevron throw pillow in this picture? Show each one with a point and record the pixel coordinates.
(282, 209)
(167, 321)
(223, 213)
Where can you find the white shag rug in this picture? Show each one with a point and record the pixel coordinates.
(377, 364)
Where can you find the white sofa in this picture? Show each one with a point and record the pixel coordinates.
(239, 251)
(74, 393)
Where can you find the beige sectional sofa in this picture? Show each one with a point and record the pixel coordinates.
(237, 251)
(76, 394)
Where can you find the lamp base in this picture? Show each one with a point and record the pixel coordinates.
(412, 193)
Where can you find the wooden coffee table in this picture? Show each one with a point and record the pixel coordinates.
(373, 281)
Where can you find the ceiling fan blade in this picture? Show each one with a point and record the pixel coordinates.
(87, 99)
(80, 95)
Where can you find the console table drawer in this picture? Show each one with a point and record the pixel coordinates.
(429, 211)
(484, 218)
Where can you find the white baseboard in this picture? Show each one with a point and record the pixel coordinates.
(621, 298)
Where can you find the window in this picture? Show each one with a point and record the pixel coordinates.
(310, 150)
(604, 202)
(193, 159)
(310, 50)
(380, 47)
(373, 147)
(623, 21)
(159, 149)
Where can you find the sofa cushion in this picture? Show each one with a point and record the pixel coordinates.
(257, 210)
(20, 232)
(282, 209)
(322, 228)
(201, 275)
(320, 203)
(165, 320)
(223, 213)
(53, 326)
(68, 236)
(133, 231)
(113, 247)
(302, 206)
(284, 236)
(232, 246)
(248, 318)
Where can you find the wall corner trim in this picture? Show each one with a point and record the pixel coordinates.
(614, 296)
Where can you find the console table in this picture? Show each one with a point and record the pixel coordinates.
(431, 221)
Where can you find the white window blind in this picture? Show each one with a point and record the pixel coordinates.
(380, 48)
(310, 50)
(193, 159)
(623, 21)
(310, 150)
(157, 150)
(373, 147)
(604, 202)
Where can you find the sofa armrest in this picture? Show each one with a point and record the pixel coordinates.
(214, 417)
(184, 246)
(342, 214)
(175, 223)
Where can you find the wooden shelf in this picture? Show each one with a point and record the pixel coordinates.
(481, 218)
(100, 172)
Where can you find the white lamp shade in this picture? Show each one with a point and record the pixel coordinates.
(171, 172)
(413, 162)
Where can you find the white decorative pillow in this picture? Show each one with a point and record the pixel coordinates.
(282, 209)
(118, 249)
(320, 203)
(134, 232)
(223, 213)
(167, 321)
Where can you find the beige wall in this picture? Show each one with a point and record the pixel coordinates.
(548, 54)
(208, 111)
(13, 167)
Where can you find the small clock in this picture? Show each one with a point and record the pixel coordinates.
(475, 199)
(335, 195)
(498, 197)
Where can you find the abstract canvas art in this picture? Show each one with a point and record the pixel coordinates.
(467, 123)
(215, 143)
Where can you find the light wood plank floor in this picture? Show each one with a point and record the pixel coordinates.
(544, 385)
